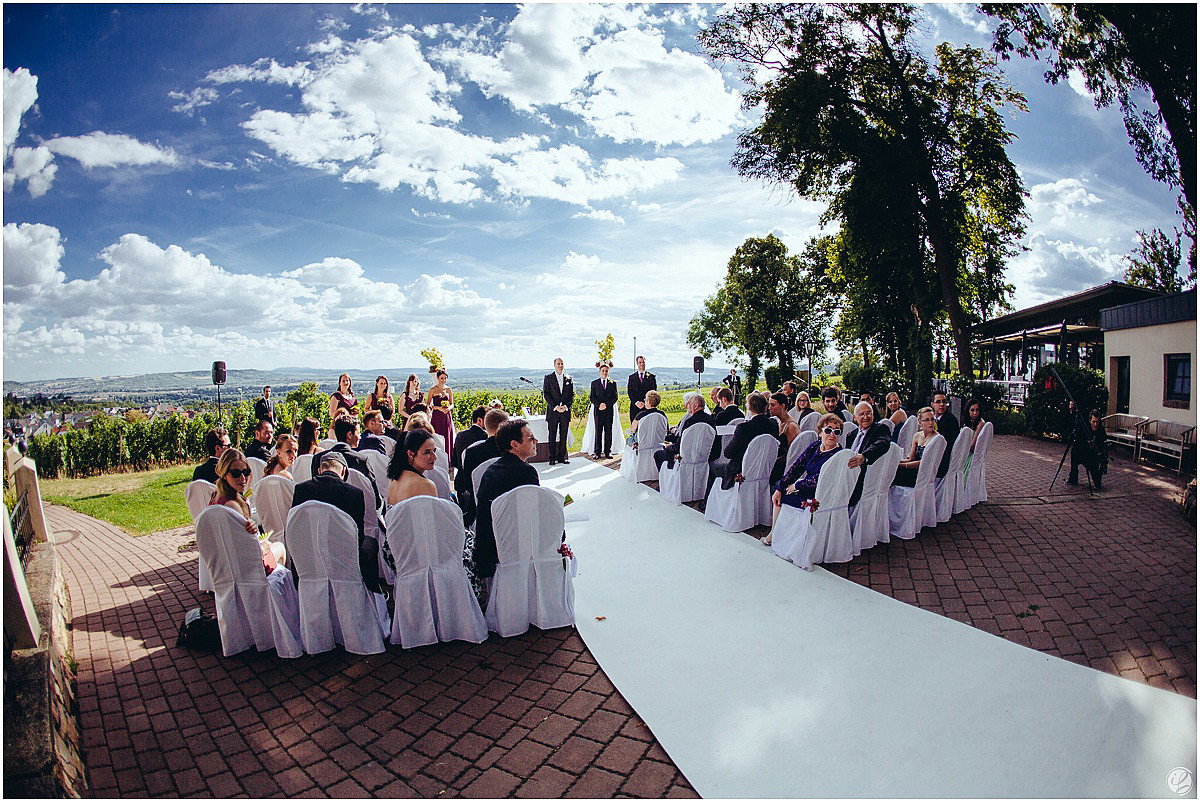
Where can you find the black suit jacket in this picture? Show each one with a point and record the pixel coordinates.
(608, 395)
(369, 441)
(637, 387)
(206, 471)
(948, 428)
(502, 476)
(746, 431)
(729, 413)
(346, 497)
(262, 451)
(264, 409)
(876, 442)
(554, 396)
(464, 440)
(356, 462)
(472, 458)
(700, 417)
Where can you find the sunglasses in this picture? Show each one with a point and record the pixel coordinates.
(831, 430)
(234, 472)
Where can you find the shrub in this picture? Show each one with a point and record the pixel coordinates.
(1006, 420)
(48, 452)
(861, 378)
(1046, 406)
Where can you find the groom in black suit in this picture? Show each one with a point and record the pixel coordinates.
(559, 392)
(640, 382)
(603, 398)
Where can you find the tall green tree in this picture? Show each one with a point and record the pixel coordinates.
(1121, 49)
(844, 89)
(770, 305)
(1156, 262)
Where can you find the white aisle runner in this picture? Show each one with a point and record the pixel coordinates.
(763, 680)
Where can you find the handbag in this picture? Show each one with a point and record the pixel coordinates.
(199, 630)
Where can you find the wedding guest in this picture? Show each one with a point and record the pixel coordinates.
(831, 399)
(264, 408)
(803, 406)
(947, 427)
(371, 438)
(652, 401)
(346, 433)
(469, 437)
(727, 411)
(380, 399)
(694, 404)
(973, 422)
(412, 397)
(869, 441)
(896, 414)
(789, 390)
(414, 457)
(729, 467)
(777, 407)
(280, 463)
(418, 420)
(906, 472)
(799, 481)
(517, 445)
(215, 443)
(475, 456)
(342, 398)
(309, 436)
(330, 486)
(733, 382)
(260, 446)
(233, 477)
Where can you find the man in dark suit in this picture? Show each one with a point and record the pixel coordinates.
(603, 398)
(328, 485)
(758, 423)
(727, 411)
(868, 442)
(469, 437)
(947, 427)
(264, 408)
(260, 445)
(372, 435)
(215, 443)
(789, 390)
(640, 382)
(473, 457)
(517, 444)
(559, 392)
(733, 382)
(345, 431)
(831, 399)
(694, 404)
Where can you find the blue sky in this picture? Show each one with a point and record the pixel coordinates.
(342, 186)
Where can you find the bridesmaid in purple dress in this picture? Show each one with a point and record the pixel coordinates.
(342, 398)
(411, 399)
(440, 401)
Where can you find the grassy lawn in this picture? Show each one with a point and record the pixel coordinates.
(139, 503)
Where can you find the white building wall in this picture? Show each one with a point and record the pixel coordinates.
(1145, 346)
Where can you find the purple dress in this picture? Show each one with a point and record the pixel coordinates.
(808, 465)
(440, 418)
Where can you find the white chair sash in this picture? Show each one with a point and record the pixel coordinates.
(891, 427)
(688, 479)
(747, 503)
(637, 464)
(252, 608)
(273, 502)
(805, 538)
(950, 487)
(869, 518)
(335, 605)
(441, 480)
(531, 585)
(912, 508)
(302, 468)
(326, 444)
(433, 598)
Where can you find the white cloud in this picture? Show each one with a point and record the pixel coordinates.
(567, 174)
(967, 14)
(1060, 202)
(604, 215)
(20, 93)
(32, 255)
(33, 165)
(190, 101)
(99, 149)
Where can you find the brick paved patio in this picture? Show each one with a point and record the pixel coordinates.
(1108, 582)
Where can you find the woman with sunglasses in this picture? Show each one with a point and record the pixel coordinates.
(280, 463)
(233, 477)
(906, 472)
(799, 482)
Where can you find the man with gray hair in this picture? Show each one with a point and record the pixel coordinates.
(694, 404)
(868, 442)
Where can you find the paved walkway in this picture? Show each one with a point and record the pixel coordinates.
(1109, 582)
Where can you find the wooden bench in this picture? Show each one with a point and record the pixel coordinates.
(1125, 429)
(1166, 439)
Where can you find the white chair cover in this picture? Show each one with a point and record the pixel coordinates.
(809, 424)
(975, 482)
(273, 502)
(794, 414)
(252, 608)
(846, 429)
(688, 480)
(477, 474)
(531, 584)
(805, 538)
(911, 508)
(637, 464)
(335, 605)
(441, 460)
(257, 468)
(888, 423)
(371, 519)
(432, 594)
(747, 503)
(441, 480)
(302, 468)
(389, 447)
(803, 440)
(869, 518)
(950, 487)
(846, 416)
(326, 444)
(908, 430)
(379, 467)
(588, 445)
(196, 495)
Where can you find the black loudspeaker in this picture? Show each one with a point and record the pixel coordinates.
(697, 364)
(218, 373)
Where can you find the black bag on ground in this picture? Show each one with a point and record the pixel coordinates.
(199, 630)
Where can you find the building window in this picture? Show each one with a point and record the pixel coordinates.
(1177, 380)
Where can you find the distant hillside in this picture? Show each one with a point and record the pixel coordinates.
(197, 384)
